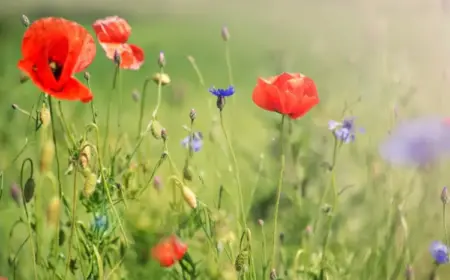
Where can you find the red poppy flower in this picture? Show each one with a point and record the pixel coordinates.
(288, 94)
(169, 250)
(53, 50)
(113, 33)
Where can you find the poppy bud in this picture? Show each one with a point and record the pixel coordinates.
(241, 261)
(47, 154)
(192, 114)
(187, 172)
(162, 78)
(444, 195)
(44, 116)
(225, 34)
(90, 182)
(156, 129)
(25, 20)
(164, 134)
(28, 190)
(15, 106)
(53, 211)
(161, 59)
(87, 76)
(189, 197)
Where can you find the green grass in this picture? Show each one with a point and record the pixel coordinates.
(385, 221)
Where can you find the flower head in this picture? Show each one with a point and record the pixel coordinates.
(222, 92)
(169, 251)
(113, 33)
(288, 94)
(53, 50)
(439, 252)
(100, 223)
(345, 131)
(417, 142)
(195, 140)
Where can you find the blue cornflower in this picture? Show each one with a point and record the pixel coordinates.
(345, 131)
(221, 93)
(439, 252)
(196, 141)
(417, 142)
(100, 223)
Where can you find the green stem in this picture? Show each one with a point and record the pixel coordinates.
(158, 101)
(108, 110)
(120, 96)
(141, 113)
(72, 229)
(236, 171)
(279, 187)
(445, 224)
(228, 61)
(93, 111)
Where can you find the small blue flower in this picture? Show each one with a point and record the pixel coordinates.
(439, 252)
(196, 141)
(345, 131)
(222, 92)
(100, 223)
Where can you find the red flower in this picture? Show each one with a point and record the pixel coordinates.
(53, 50)
(113, 33)
(169, 250)
(288, 94)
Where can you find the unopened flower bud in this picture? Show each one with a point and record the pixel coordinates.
(85, 154)
(15, 106)
(189, 197)
(161, 59)
(192, 115)
(87, 76)
(444, 195)
(157, 183)
(156, 129)
(163, 134)
(161, 78)
(117, 58)
(225, 34)
(25, 20)
(187, 172)
(220, 102)
(47, 154)
(90, 182)
(28, 189)
(44, 116)
(53, 211)
(241, 261)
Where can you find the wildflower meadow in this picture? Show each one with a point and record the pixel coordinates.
(185, 147)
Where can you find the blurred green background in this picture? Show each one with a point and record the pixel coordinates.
(383, 54)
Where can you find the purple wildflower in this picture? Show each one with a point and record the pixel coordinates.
(195, 140)
(439, 252)
(222, 92)
(417, 142)
(345, 131)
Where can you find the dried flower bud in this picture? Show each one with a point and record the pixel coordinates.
(53, 211)
(44, 116)
(162, 78)
(161, 59)
(16, 193)
(117, 58)
(189, 197)
(225, 34)
(444, 195)
(273, 274)
(90, 182)
(25, 20)
(28, 190)
(156, 129)
(192, 114)
(87, 76)
(47, 154)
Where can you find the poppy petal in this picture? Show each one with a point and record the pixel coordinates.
(281, 80)
(265, 96)
(179, 248)
(163, 253)
(131, 56)
(112, 29)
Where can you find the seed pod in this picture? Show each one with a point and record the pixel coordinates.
(163, 78)
(47, 154)
(241, 261)
(189, 197)
(156, 129)
(28, 190)
(44, 116)
(53, 211)
(90, 182)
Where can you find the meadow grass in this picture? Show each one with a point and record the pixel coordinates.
(362, 220)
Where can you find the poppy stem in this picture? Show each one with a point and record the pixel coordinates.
(228, 62)
(445, 223)
(279, 187)
(158, 101)
(73, 223)
(236, 171)
(141, 113)
(108, 110)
